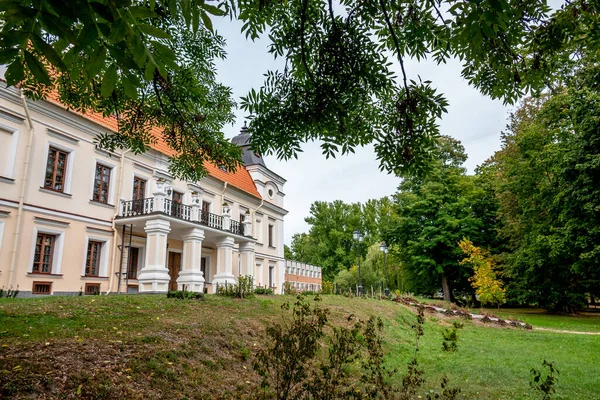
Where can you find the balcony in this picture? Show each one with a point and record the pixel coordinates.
(183, 212)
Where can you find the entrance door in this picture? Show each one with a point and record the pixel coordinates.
(174, 268)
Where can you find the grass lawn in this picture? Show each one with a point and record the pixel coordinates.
(152, 347)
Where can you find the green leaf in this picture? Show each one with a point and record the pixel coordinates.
(154, 31)
(142, 12)
(88, 34)
(213, 10)
(206, 20)
(118, 31)
(96, 62)
(7, 55)
(48, 52)
(109, 81)
(129, 87)
(15, 72)
(37, 68)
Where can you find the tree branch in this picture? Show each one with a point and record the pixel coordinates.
(303, 44)
(396, 43)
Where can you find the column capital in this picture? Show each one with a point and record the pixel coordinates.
(225, 241)
(157, 225)
(247, 247)
(193, 234)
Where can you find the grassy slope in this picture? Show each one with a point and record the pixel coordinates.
(153, 347)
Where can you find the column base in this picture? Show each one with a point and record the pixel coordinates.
(222, 278)
(193, 281)
(155, 280)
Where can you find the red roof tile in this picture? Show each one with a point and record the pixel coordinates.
(240, 179)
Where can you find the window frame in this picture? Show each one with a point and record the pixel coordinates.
(133, 191)
(90, 257)
(69, 167)
(42, 252)
(137, 263)
(58, 151)
(33, 285)
(12, 151)
(108, 184)
(91, 285)
(103, 258)
(270, 234)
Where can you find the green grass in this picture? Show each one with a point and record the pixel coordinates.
(154, 347)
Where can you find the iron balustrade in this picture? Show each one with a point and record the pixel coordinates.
(212, 220)
(132, 208)
(178, 210)
(236, 228)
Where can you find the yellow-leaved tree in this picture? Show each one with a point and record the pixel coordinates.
(485, 281)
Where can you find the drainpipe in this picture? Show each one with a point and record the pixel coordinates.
(262, 201)
(222, 197)
(22, 194)
(114, 228)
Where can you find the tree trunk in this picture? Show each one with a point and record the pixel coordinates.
(446, 288)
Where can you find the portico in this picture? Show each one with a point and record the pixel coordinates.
(187, 230)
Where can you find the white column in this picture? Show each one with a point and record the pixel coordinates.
(191, 274)
(154, 276)
(226, 217)
(224, 261)
(247, 255)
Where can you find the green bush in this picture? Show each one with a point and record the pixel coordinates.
(243, 289)
(327, 287)
(263, 290)
(184, 295)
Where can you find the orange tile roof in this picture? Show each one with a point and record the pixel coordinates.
(240, 179)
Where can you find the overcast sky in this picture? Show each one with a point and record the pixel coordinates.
(472, 118)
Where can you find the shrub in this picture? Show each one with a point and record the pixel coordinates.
(544, 385)
(184, 295)
(9, 293)
(327, 287)
(243, 289)
(263, 290)
(288, 288)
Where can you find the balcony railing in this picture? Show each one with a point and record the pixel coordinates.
(236, 228)
(178, 210)
(134, 208)
(212, 220)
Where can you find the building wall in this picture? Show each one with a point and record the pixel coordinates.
(303, 276)
(73, 216)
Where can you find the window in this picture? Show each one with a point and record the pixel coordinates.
(92, 288)
(132, 262)
(270, 237)
(139, 188)
(41, 288)
(176, 208)
(44, 252)
(8, 151)
(92, 263)
(56, 168)
(271, 269)
(101, 183)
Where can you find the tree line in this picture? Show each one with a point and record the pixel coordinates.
(528, 218)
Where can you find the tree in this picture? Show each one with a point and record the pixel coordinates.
(287, 252)
(150, 63)
(549, 171)
(433, 214)
(329, 242)
(488, 288)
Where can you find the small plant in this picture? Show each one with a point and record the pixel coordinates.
(243, 289)
(451, 337)
(544, 385)
(288, 288)
(9, 293)
(184, 295)
(263, 290)
(327, 287)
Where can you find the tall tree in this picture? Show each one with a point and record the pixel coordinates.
(329, 242)
(433, 214)
(550, 196)
(134, 59)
